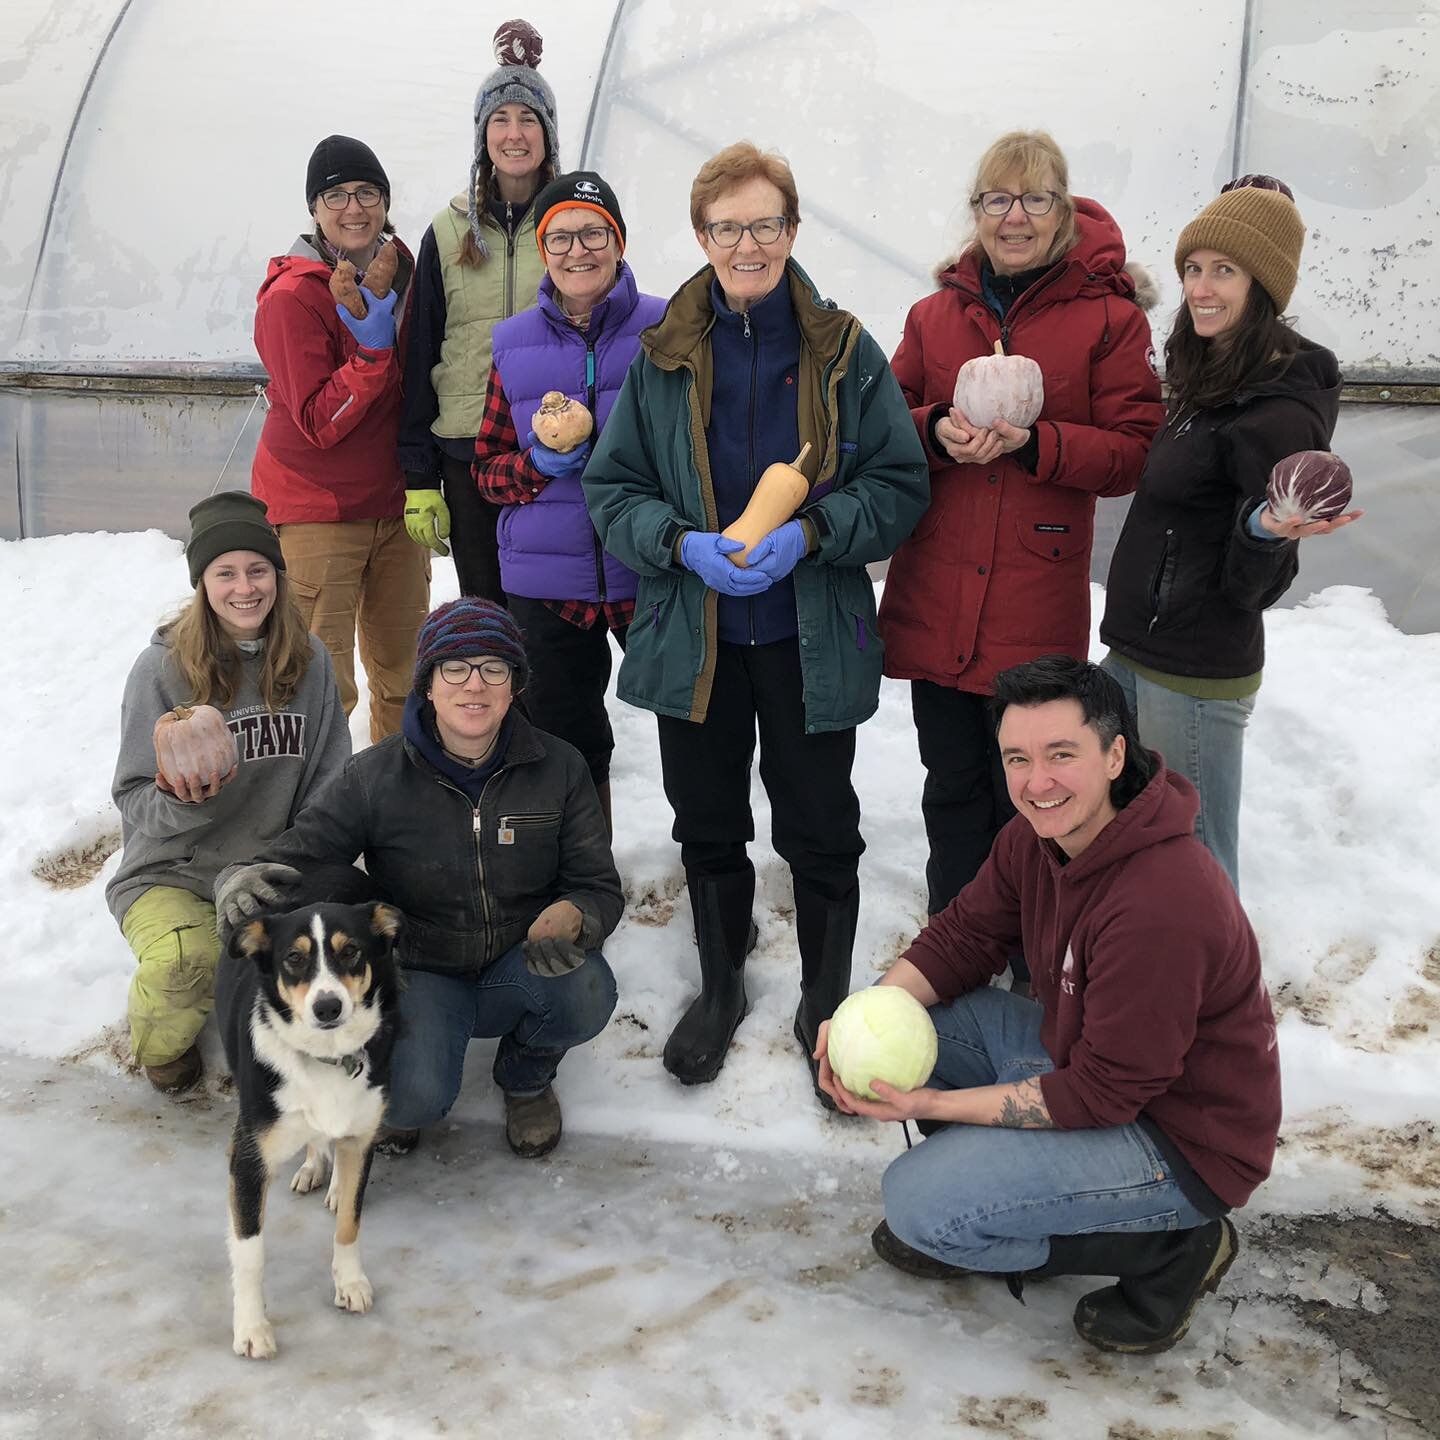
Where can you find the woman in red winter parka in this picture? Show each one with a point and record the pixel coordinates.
(326, 466)
(998, 570)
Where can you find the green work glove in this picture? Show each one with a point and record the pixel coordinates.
(427, 519)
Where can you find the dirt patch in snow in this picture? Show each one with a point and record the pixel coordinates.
(1393, 1335)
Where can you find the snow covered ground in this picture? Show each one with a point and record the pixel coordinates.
(689, 1262)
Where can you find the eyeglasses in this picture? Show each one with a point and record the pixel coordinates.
(726, 233)
(561, 242)
(458, 672)
(369, 197)
(1032, 202)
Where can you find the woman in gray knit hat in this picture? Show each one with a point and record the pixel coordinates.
(478, 264)
(231, 719)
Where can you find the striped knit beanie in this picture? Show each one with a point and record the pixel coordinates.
(466, 628)
(1259, 229)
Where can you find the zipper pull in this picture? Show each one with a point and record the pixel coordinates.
(745, 316)
(509, 217)
(475, 820)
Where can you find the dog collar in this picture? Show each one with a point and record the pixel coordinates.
(352, 1064)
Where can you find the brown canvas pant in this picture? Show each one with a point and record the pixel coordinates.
(371, 576)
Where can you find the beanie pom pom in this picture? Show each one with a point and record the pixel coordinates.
(518, 42)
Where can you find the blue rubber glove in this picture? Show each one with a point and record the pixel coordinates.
(556, 464)
(705, 552)
(779, 552)
(377, 330)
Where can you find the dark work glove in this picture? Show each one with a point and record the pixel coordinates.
(377, 330)
(249, 890)
(557, 464)
(554, 957)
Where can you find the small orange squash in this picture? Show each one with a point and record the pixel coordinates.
(560, 424)
(1000, 386)
(777, 496)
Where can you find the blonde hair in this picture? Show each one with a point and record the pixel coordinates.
(1034, 156)
(209, 660)
(737, 165)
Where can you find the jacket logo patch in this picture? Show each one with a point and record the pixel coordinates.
(1067, 972)
(848, 447)
(1150, 360)
(1053, 529)
(589, 187)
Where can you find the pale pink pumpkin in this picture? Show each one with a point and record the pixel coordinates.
(1000, 386)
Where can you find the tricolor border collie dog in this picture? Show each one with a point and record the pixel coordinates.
(306, 999)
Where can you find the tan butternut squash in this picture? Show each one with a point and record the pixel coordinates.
(1000, 386)
(560, 424)
(776, 497)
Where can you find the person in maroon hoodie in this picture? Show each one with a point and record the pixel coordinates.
(326, 464)
(1108, 1126)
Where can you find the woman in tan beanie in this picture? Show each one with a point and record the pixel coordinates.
(1201, 557)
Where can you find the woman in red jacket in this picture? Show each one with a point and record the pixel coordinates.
(998, 570)
(326, 465)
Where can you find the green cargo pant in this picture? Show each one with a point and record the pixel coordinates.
(172, 933)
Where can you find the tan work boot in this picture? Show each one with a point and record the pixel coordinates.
(176, 1076)
(532, 1123)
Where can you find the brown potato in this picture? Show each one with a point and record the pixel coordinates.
(346, 291)
(380, 275)
(562, 423)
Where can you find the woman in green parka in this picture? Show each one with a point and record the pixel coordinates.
(747, 365)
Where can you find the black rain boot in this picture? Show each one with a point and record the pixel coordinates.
(825, 930)
(721, 904)
(1162, 1275)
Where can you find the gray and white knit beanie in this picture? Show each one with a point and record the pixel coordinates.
(518, 47)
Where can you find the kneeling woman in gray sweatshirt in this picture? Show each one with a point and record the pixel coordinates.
(230, 721)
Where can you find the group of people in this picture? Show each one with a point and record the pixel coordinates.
(1068, 806)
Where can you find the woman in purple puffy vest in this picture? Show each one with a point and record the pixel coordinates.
(568, 595)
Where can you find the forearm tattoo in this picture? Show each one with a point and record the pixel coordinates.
(1024, 1108)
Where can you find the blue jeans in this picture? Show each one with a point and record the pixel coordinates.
(1204, 740)
(537, 1020)
(990, 1198)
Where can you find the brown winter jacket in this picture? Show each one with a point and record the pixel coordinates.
(998, 569)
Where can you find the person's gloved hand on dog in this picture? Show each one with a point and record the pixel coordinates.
(195, 753)
(558, 938)
(245, 890)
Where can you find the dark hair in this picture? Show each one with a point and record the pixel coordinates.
(1210, 372)
(1102, 703)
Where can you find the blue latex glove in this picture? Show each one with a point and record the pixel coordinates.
(377, 330)
(705, 552)
(555, 464)
(779, 552)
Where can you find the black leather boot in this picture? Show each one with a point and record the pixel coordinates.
(825, 930)
(1162, 1275)
(721, 904)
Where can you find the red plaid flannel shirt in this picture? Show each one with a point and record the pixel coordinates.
(505, 476)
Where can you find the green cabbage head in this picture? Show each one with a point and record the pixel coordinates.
(883, 1033)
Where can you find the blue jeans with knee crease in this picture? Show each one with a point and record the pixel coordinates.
(989, 1197)
(1203, 740)
(536, 1017)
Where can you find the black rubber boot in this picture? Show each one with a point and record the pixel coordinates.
(721, 904)
(825, 930)
(1162, 1275)
(894, 1251)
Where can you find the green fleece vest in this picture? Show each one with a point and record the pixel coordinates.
(477, 298)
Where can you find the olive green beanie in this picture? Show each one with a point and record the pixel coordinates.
(231, 520)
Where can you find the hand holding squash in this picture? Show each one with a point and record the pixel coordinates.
(776, 497)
